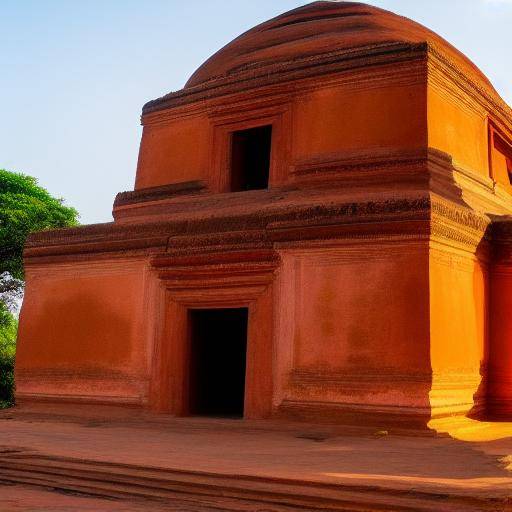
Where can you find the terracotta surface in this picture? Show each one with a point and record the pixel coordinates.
(315, 29)
(471, 470)
(18, 498)
(375, 267)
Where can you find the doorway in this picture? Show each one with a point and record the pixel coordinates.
(218, 349)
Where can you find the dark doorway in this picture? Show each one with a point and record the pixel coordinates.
(217, 362)
(250, 158)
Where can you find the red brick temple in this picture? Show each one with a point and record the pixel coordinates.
(319, 231)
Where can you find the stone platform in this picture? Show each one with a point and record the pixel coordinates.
(109, 460)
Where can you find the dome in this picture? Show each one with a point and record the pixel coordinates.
(320, 28)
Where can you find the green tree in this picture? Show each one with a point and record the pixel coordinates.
(8, 328)
(25, 207)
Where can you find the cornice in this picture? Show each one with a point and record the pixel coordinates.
(407, 218)
(371, 169)
(356, 165)
(307, 67)
(481, 92)
(222, 269)
(458, 226)
(279, 93)
(158, 193)
(95, 240)
(475, 221)
(235, 231)
(333, 199)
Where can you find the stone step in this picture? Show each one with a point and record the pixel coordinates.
(179, 502)
(235, 493)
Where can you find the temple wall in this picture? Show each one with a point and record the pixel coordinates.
(354, 329)
(500, 353)
(322, 123)
(174, 151)
(80, 333)
(458, 127)
(343, 120)
(377, 307)
(459, 310)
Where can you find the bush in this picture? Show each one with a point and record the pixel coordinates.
(8, 329)
(6, 381)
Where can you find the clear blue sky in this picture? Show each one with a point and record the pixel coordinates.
(76, 73)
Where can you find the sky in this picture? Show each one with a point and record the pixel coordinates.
(75, 74)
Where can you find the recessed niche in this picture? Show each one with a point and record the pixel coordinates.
(250, 158)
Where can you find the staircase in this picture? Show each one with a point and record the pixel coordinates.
(202, 492)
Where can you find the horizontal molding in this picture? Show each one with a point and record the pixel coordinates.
(254, 227)
(145, 195)
(375, 169)
(323, 376)
(395, 417)
(304, 212)
(235, 230)
(60, 398)
(361, 163)
(296, 69)
(355, 61)
(479, 89)
(77, 374)
(252, 270)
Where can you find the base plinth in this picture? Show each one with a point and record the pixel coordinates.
(204, 464)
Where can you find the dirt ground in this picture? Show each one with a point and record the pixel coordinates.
(474, 460)
(17, 498)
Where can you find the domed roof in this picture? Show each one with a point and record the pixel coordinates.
(319, 28)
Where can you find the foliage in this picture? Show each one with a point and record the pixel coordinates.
(25, 207)
(8, 328)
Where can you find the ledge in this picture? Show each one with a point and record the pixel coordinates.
(158, 193)
(307, 67)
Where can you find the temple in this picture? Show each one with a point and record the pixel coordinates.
(319, 231)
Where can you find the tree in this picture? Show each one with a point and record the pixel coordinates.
(25, 207)
(8, 329)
